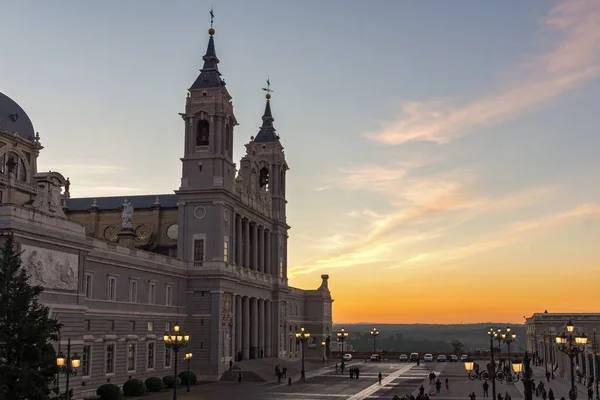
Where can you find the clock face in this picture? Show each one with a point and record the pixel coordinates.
(173, 232)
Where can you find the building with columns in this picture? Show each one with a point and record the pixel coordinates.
(542, 329)
(120, 271)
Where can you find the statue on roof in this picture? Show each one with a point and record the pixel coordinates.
(127, 216)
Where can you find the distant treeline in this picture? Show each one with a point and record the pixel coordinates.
(428, 337)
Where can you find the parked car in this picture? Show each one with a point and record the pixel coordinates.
(414, 356)
(428, 357)
(347, 357)
(403, 357)
(463, 357)
(375, 357)
(453, 358)
(440, 358)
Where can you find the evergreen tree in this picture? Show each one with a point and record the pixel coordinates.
(27, 357)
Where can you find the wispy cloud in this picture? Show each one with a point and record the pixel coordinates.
(566, 63)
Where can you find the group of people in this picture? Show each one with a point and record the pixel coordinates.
(281, 373)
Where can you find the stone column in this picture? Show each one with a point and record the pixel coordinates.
(268, 329)
(247, 244)
(254, 262)
(269, 265)
(238, 325)
(239, 240)
(246, 327)
(261, 328)
(261, 247)
(253, 327)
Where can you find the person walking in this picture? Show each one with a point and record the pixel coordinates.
(379, 377)
(438, 386)
(550, 394)
(486, 387)
(447, 384)
(590, 393)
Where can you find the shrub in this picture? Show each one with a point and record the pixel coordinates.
(168, 381)
(154, 384)
(184, 378)
(108, 391)
(134, 387)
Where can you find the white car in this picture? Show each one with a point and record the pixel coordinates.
(428, 357)
(347, 357)
(403, 357)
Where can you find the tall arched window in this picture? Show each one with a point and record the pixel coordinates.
(202, 133)
(264, 178)
(11, 162)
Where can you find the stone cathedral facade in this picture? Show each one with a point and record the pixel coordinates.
(211, 257)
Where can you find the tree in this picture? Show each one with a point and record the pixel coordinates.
(27, 357)
(457, 346)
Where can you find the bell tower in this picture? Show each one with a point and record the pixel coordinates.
(209, 121)
(262, 175)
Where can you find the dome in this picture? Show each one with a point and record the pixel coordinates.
(14, 119)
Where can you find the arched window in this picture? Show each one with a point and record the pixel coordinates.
(11, 162)
(263, 180)
(202, 133)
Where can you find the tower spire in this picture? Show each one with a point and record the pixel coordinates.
(210, 77)
(267, 130)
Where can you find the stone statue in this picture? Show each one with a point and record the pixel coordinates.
(67, 186)
(127, 215)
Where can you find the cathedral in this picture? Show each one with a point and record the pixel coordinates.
(119, 272)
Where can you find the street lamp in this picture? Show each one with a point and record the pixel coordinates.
(374, 333)
(188, 358)
(527, 381)
(571, 345)
(175, 341)
(68, 366)
(323, 344)
(548, 353)
(492, 373)
(498, 337)
(509, 338)
(302, 336)
(342, 335)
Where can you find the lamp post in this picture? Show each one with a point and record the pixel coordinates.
(498, 337)
(374, 333)
(595, 350)
(323, 344)
(508, 338)
(302, 336)
(68, 366)
(342, 335)
(175, 341)
(188, 358)
(527, 381)
(492, 373)
(548, 353)
(571, 345)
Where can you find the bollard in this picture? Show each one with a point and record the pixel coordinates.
(290, 381)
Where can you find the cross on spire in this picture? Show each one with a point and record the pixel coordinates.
(268, 88)
(212, 16)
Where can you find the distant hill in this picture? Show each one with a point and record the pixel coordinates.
(428, 337)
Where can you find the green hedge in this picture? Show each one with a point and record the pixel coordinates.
(184, 378)
(154, 384)
(108, 391)
(168, 381)
(134, 387)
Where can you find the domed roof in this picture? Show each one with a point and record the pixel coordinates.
(14, 119)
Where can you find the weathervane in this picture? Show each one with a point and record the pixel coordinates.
(268, 88)
(212, 16)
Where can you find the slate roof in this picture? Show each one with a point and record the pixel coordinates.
(267, 130)
(116, 202)
(14, 119)
(209, 77)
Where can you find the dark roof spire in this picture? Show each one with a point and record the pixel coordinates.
(267, 130)
(210, 77)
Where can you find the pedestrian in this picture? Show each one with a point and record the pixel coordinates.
(545, 394)
(486, 387)
(379, 376)
(548, 376)
(230, 364)
(447, 384)
(590, 393)
(438, 386)
(284, 372)
(500, 396)
(357, 372)
(550, 394)
(239, 377)
(336, 368)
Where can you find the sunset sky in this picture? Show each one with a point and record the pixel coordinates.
(445, 155)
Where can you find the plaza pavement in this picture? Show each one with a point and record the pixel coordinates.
(398, 378)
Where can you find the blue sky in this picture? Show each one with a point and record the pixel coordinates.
(422, 136)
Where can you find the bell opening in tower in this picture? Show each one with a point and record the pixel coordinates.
(202, 133)
(264, 178)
